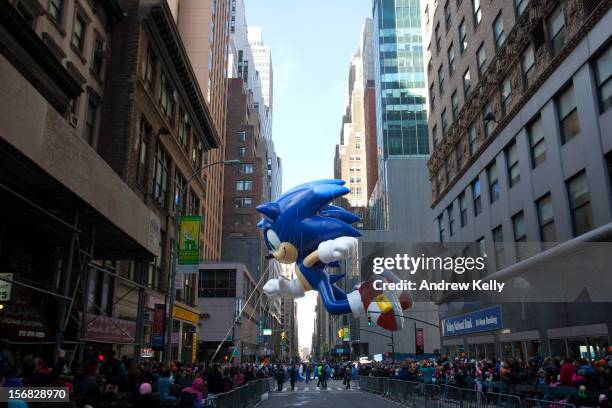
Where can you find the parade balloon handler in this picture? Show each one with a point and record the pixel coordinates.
(303, 227)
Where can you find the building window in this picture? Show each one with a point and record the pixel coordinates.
(481, 247)
(476, 197)
(160, 182)
(437, 33)
(180, 189)
(447, 15)
(166, 98)
(148, 73)
(546, 221)
(568, 114)
(91, 120)
(450, 53)
(434, 136)
(217, 283)
(242, 152)
(56, 10)
(520, 235)
(78, 32)
(481, 58)
(441, 228)
(493, 182)
(463, 44)
(477, 12)
(197, 154)
(506, 95)
(244, 185)
(432, 98)
(472, 139)
(143, 153)
(489, 125)
(184, 129)
(527, 64)
(580, 204)
(463, 209)
(556, 30)
(603, 73)
(521, 5)
(246, 169)
(444, 123)
(536, 143)
(514, 173)
(451, 220)
(459, 154)
(441, 79)
(243, 202)
(498, 32)
(455, 105)
(466, 83)
(447, 169)
(194, 203)
(97, 59)
(242, 136)
(498, 246)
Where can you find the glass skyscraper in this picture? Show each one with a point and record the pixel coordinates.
(401, 98)
(400, 78)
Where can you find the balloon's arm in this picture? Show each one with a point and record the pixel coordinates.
(311, 259)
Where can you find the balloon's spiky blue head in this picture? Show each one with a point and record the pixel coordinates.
(304, 217)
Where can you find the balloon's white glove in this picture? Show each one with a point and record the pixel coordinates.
(337, 249)
(282, 287)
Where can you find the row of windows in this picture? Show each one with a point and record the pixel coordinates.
(167, 99)
(567, 115)
(556, 33)
(161, 175)
(80, 32)
(580, 212)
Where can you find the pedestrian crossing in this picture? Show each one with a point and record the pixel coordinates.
(308, 388)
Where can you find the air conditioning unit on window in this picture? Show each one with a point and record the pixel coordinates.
(73, 120)
(102, 49)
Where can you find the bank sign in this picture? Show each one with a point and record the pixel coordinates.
(474, 322)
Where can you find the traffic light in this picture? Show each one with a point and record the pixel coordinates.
(341, 333)
(370, 321)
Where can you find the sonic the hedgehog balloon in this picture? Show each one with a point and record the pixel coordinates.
(302, 226)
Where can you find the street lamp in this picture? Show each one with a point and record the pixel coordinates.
(174, 257)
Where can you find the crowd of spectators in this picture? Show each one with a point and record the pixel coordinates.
(581, 381)
(121, 383)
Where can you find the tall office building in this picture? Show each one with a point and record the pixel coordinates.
(262, 55)
(399, 205)
(401, 197)
(350, 162)
(204, 26)
(520, 102)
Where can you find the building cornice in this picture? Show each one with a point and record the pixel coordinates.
(161, 21)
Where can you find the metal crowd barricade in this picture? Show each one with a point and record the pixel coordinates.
(414, 393)
(503, 400)
(461, 397)
(241, 397)
(536, 403)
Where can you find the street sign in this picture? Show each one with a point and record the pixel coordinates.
(267, 332)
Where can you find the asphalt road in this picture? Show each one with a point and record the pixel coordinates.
(336, 396)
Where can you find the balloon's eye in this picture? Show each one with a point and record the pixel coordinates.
(273, 240)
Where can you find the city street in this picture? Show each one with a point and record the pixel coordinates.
(308, 395)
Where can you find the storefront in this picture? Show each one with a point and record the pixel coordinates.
(505, 331)
(184, 334)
